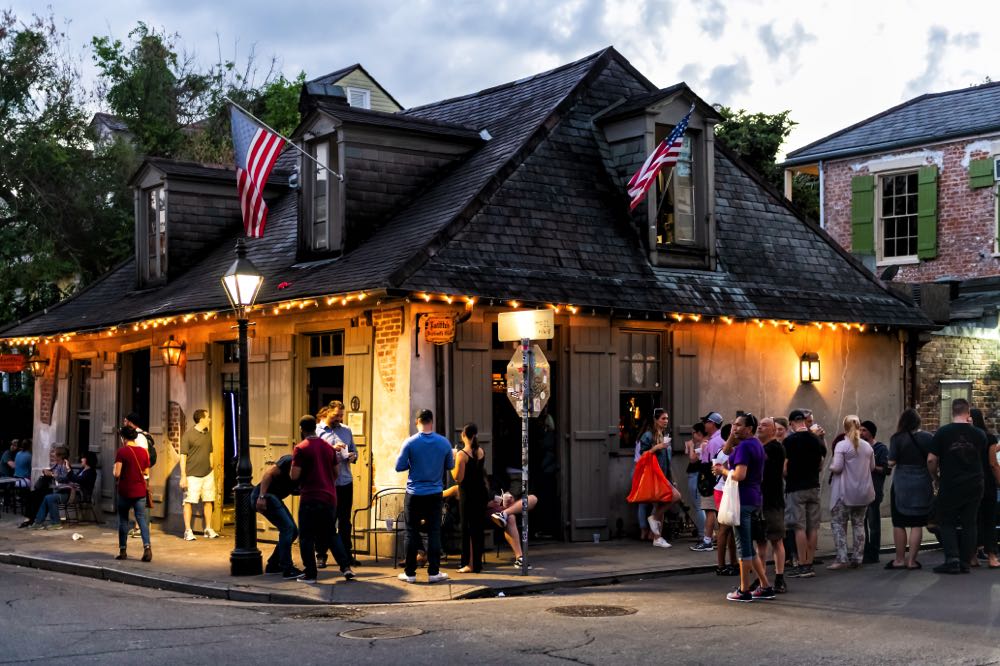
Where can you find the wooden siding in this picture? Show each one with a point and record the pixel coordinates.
(358, 357)
(379, 100)
(472, 400)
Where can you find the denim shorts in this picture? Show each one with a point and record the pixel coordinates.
(744, 532)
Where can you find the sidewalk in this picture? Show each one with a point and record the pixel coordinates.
(202, 567)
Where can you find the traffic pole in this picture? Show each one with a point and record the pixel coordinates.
(525, 414)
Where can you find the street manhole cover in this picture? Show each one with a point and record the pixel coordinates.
(328, 614)
(381, 633)
(593, 611)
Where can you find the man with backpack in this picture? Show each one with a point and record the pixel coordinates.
(710, 448)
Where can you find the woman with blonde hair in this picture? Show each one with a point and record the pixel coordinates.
(851, 491)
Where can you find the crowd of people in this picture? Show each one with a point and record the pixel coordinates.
(945, 481)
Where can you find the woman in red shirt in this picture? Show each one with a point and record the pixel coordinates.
(131, 471)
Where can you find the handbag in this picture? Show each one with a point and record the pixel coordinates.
(649, 484)
(149, 495)
(729, 507)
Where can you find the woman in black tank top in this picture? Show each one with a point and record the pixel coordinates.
(471, 478)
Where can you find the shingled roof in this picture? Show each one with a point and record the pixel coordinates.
(930, 118)
(533, 214)
(337, 75)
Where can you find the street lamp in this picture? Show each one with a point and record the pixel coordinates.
(242, 283)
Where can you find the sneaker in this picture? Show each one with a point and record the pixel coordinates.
(765, 593)
(272, 569)
(754, 586)
(806, 571)
(500, 519)
(407, 579)
(660, 542)
(654, 525)
(134, 533)
(518, 562)
(307, 580)
(189, 535)
(349, 575)
(739, 595)
(732, 570)
(321, 562)
(779, 585)
(211, 534)
(55, 526)
(289, 574)
(437, 578)
(703, 547)
(721, 571)
(982, 556)
(38, 526)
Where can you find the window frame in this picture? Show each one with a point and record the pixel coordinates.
(153, 272)
(880, 258)
(699, 240)
(330, 240)
(629, 392)
(364, 92)
(996, 215)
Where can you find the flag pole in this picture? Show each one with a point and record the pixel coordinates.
(286, 139)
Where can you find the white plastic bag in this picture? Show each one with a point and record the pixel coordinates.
(729, 507)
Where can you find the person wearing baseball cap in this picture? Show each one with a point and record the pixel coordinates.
(713, 417)
(804, 454)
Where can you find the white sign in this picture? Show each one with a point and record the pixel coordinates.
(530, 324)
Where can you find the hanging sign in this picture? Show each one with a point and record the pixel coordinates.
(12, 363)
(439, 329)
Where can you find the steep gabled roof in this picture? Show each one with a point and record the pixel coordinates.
(639, 103)
(930, 118)
(338, 74)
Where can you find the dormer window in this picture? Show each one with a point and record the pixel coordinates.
(154, 225)
(322, 231)
(359, 97)
(675, 221)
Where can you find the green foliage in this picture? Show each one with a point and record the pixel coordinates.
(65, 211)
(279, 102)
(757, 138)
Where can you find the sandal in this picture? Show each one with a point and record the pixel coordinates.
(465, 570)
(892, 565)
(916, 565)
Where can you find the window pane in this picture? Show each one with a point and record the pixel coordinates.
(887, 187)
(911, 182)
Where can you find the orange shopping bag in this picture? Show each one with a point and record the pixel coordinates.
(648, 482)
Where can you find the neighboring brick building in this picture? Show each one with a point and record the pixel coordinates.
(912, 192)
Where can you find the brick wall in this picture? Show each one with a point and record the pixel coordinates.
(966, 217)
(970, 359)
(176, 425)
(388, 327)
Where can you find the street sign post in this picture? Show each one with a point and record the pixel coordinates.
(526, 325)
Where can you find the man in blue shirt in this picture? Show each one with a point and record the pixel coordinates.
(427, 456)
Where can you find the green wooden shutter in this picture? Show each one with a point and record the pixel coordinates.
(981, 173)
(863, 214)
(927, 212)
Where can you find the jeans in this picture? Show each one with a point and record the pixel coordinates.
(958, 511)
(50, 506)
(318, 531)
(426, 508)
(345, 502)
(873, 531)
(744, 533)
(279, 516)
(137, 504)
(699, 514)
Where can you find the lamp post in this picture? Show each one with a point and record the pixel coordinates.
(242, 283)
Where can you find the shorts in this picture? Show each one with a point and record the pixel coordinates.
(802, 509)
(718, 499)
(200, 489)
(774, 524)
(708, 504)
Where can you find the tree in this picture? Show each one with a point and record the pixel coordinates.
(757, 138)
(65, 210)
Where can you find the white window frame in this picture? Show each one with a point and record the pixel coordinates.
(946, 404)
(658, 192)
(881, 259)
(154, 268)
(366, 96)
(320, 179)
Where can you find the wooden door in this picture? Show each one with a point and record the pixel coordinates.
(158, 407)
(592, 428)
(104, 424)
(358, 384)
(471, 384)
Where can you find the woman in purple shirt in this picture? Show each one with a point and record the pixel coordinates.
(746, 465)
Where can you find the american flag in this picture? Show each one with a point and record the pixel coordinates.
(256, 150)
(665, 155)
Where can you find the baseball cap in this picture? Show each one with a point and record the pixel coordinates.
(797, 415)
(714, 417)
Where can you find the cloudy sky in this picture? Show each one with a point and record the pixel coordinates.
(832, 63)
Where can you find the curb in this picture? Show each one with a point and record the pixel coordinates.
(142, 580)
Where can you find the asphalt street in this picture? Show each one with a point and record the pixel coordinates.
(855, 617)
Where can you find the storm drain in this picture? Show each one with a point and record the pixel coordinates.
(592, 611)
(381, 633)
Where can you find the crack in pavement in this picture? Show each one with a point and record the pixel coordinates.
(550, 652)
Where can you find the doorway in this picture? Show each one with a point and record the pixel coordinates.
(230, 434)
(325, 384)
(135, 387)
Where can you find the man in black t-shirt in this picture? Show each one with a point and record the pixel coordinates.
(275, 485)
(772, 489)
(955, 461)
(873, 515)
(804, 454)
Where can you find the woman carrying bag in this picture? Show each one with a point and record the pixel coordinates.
(851, 491)
(131, 469)
(656, 441)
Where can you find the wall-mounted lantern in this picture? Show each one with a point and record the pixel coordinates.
(172, 351)
(809, 368)
(38, 365)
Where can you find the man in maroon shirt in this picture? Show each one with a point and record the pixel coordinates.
(315, 468)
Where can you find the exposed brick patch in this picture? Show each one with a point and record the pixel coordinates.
(176, 425)
(966, 217)
(961, 359)
(388, 326)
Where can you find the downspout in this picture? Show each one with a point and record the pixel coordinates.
(822, 197)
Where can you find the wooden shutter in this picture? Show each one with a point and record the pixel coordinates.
(472, 369)
(981, 173)
(358, 383)
(685, 382)
(927, 212)
(592, 427)
(158, 406)
(863, 215)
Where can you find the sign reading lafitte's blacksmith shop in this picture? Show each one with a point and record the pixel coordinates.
(439, 329)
